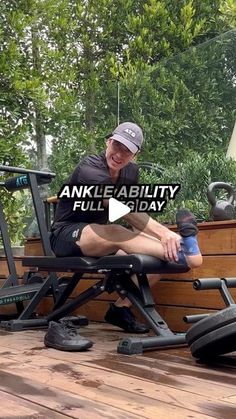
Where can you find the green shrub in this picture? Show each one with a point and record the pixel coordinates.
(14, 205)
(194, 175)
(16, 211)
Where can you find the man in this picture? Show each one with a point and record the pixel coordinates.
(87, 233)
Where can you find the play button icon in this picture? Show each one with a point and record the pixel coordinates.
(116, 210)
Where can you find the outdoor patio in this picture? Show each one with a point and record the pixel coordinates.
(38, 382)
(119, 94)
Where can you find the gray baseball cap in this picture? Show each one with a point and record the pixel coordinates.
(130, 135)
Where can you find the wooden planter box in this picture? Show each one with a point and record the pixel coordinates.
(174, 294)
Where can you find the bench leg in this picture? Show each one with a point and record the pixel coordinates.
(142, 299)
(77, 302)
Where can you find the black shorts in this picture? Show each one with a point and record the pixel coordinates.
(63, 239)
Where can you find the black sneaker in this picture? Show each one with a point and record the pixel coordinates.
(124, 318)
(186, 223)
(65, 337)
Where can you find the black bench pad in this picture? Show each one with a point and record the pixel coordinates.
(137, 263)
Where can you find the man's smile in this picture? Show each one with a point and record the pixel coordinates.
(116, 161)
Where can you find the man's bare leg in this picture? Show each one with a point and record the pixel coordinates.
(100, 240)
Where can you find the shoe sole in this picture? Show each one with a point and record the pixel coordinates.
(68, 349)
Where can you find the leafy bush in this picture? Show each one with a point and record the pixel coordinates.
(194, 175)
(15, 212)
(14, 205)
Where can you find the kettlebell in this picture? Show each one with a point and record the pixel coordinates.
(221, 210)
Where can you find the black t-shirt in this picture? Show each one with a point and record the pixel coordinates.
(93, 170)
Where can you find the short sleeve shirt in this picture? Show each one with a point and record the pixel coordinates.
(93, 169)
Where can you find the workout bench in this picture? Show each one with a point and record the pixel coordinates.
(118, 271)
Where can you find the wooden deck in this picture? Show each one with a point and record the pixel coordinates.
(38, 382)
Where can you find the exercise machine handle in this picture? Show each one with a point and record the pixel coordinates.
(194, 318)
(230, 282)
(213, 283)
(207, 284)
(22, 182)
(23, 171)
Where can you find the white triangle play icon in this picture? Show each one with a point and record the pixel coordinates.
(116, 210)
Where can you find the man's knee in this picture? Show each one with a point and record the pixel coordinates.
(94, 240)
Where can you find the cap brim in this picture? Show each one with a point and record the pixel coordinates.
(132, 147)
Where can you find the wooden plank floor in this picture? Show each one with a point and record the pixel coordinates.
(38, 382)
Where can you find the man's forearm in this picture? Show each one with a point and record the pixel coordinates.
(146, 224)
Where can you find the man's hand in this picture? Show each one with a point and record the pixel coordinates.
(171, 244)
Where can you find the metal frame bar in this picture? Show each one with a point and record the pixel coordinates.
(51, 283)
(23, 171)
(12, 278)
(40, 215)
(77, 302)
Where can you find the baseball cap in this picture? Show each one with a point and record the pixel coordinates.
(128, 134)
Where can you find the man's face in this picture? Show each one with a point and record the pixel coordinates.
(117, 155)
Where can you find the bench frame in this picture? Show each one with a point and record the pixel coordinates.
(118, 272)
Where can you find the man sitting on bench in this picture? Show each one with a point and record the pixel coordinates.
(79, 233)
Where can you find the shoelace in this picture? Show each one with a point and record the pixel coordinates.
(70, 328)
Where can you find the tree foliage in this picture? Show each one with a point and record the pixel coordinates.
(62, 61)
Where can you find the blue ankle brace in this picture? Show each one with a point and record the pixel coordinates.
(189, 246)
(181, 257)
